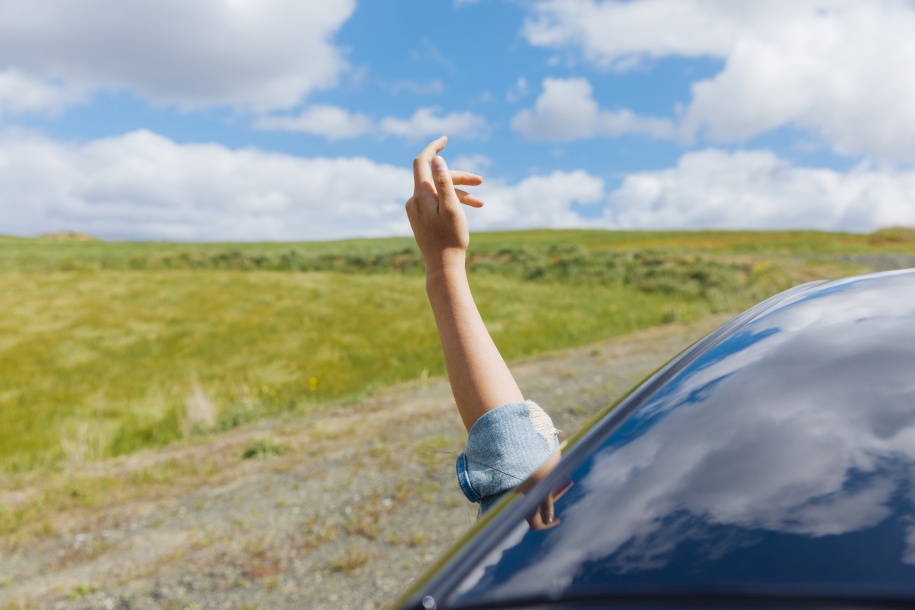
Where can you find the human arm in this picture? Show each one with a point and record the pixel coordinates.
(480, 379)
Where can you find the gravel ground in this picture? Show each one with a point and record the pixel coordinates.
(364, 499)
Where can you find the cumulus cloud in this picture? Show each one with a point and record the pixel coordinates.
(839, 69)
(471, 163)
(255, 55)
(710, 189)
(566, 111)
(517, 91)
(332, 122)
(335, 123)
(144, 186)
(19, 94)
(424, 124)
(758, 190)
(621, 34)
(432, 87)
(536, 202)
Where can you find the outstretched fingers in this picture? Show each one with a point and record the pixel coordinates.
(465, 178)
(468, 199)
(444, 187)
(421, 171)
(439, 179)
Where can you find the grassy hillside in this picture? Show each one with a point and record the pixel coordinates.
(110, 347)
(24, 254)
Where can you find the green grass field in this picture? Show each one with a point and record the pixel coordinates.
(109, 347)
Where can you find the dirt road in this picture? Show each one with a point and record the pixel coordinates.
(362, 499)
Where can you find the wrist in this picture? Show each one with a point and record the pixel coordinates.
(450, 262)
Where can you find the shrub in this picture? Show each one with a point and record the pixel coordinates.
(263, 448)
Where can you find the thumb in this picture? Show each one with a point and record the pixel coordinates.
(447, 198)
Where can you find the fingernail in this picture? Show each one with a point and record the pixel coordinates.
(438, 163)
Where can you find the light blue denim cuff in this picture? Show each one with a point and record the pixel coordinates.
(504, 447)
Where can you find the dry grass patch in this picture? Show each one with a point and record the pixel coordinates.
(350, 561)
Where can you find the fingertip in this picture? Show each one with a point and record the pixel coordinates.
(438, 162)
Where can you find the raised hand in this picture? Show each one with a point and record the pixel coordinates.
(479, 378)
(435, 211)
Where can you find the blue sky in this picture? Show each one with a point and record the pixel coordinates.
(235, 119)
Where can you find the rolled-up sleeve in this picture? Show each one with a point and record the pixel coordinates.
(504, 447)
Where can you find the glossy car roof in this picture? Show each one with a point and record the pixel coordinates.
(775, 458)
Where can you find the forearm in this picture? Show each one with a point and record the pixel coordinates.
(480, 379)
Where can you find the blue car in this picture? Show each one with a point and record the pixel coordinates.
(770, 464)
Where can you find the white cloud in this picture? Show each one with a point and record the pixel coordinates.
(709, 189)
(19, 93)
(757, 190)
(536, 202)
(517, 91)
(254, 55)
(430, 53)
(332, 122)
(432, 87)
(840, 69)
(424, 124)
(566, 111)
(335, 123)
(471, 163)
(621, 34)
(144, 186)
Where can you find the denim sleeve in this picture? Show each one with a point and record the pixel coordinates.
(504, 447)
